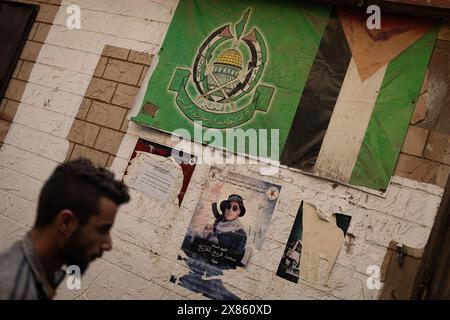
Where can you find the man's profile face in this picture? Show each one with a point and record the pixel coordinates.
(89, 241)
(232, 211)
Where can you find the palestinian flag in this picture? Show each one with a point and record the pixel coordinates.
(340, 95)
(359, 97)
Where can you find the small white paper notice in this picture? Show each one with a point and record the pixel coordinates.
(156, 176)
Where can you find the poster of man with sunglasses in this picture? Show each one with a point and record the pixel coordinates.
(229, 222)
(227, 230)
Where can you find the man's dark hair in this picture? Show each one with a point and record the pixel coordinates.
(78, 186)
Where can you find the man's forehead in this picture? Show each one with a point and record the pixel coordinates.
(107, 210)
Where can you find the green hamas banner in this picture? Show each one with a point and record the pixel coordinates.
(261, 100)
(233, 64)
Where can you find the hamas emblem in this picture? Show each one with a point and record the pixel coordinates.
(223, 88)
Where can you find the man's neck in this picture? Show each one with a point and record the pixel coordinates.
(46, 251)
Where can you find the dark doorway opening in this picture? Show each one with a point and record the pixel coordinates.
(16, 21)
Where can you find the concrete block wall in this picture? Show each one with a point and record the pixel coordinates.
(148, 233)
(425, 154)
(101, 122)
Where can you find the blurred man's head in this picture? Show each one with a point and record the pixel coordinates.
(78, 206)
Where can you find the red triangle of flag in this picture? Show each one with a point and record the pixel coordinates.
(372, 49)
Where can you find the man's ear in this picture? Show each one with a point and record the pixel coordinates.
(66, 222)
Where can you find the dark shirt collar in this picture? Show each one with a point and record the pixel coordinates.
(48, 285)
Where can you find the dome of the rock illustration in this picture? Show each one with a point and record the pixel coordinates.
(226, 71)
(230, 57)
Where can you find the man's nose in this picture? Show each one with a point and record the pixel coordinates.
(107, 245)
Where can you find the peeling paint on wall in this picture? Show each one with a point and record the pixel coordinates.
(322, 241)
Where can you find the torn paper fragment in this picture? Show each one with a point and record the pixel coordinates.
(290, 262)
(322, 242)
(157, 177)
(313, 245)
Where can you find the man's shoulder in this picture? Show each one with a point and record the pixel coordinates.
(11, 257)
(13, 265)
